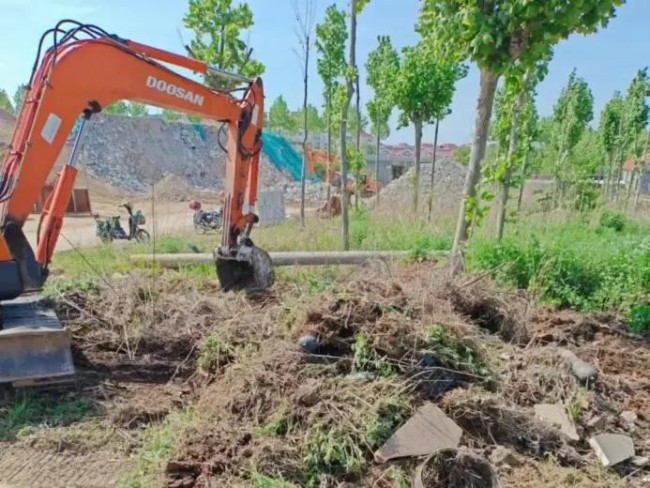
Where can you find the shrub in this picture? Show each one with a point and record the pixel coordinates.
(612, 220)
(639, 319)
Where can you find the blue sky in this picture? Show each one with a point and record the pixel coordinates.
(608, 60)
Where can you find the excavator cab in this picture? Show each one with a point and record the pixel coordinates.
(85, 71)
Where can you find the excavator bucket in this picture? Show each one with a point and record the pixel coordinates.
(34, 346)
(250, 269)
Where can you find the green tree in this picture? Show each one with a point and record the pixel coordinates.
(136, 109)
(217, 26)
(423, 90)
(529, 134)
(171, 115)
(498, 36)
(280, 118)
(382, 67)
(462, 155)
(19, 98)
(5, 103)
(315, 122)
(331, 36)
(571, 114)
(118, 108)
(609, 132)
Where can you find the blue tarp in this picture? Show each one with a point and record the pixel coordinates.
(283, 155)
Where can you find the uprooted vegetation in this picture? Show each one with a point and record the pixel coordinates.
(219, 390)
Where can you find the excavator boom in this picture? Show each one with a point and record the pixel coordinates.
(85, 70)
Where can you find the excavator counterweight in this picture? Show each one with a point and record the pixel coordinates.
(84, 71)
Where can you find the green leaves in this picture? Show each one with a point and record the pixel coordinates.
(217, 25)
(496, 34)
(280, 119)
(382, 68)
(5, 103)
(425, 84)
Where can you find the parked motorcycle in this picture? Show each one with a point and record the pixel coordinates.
(205, 221)
(110, 229)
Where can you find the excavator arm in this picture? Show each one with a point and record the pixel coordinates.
(81, 77)
(85, 70)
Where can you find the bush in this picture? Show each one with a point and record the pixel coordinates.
(639, 319)
(612, 220)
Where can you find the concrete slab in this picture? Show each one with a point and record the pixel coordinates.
(555, 415)
(427, 431)
(612, 449)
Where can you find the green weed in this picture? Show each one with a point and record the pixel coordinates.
(215, 351)
(638, 320)
(454, 354)
(367, 359)
(29, 410)
(159, 443)
(263, 481)
(332, 450)
(612, 220)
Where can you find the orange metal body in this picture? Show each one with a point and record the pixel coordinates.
(82, 77)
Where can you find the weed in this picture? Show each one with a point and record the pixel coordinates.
(638, 320)
(427, 243)
(612, 220)
(215, 351)
(454, 354)
(391, 413)
(575, 411)
(367, 359)
(263, 481)
(280, 425)
(158, 446)
(30, 410)
(334, 451)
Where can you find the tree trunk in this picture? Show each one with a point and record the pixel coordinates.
(433, 168)
(329, 142)
(418, 146)
(344, 122)
(358, 169)
(488, 85)
(642, 171)
(513, 147)
(378, 148)
(305, 137)
(524, 168)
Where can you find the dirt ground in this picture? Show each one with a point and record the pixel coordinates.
(217, 389)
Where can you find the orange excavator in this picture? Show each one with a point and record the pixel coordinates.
(85, 70)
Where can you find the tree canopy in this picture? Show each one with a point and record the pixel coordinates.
(280, 118)
(5, 102)
(382, 68)
(217, 25)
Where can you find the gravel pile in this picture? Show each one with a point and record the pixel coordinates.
(314, 192)
(132, 152)
(449, 182)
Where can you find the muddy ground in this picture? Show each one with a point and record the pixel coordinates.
(180, 385)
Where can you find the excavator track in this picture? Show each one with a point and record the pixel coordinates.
(34, 346)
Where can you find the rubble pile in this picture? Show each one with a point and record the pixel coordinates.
(133, 152)
(449, 182)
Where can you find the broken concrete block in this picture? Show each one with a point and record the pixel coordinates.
(629, 416)
(502, 456)
(582, 370)
(555, 415)
(612, 449)
(427, 431)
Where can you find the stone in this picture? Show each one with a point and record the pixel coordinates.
(361, 376)
(502, 456)
(612, 449)
(628, 416)
(555, 415)
(308, 344)
(640, 461)
(597, 422)
(582, 370)
(429, 430)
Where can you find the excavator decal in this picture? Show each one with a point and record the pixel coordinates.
(171, 89)
(85, 70)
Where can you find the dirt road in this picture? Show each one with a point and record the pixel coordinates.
(170, 218)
